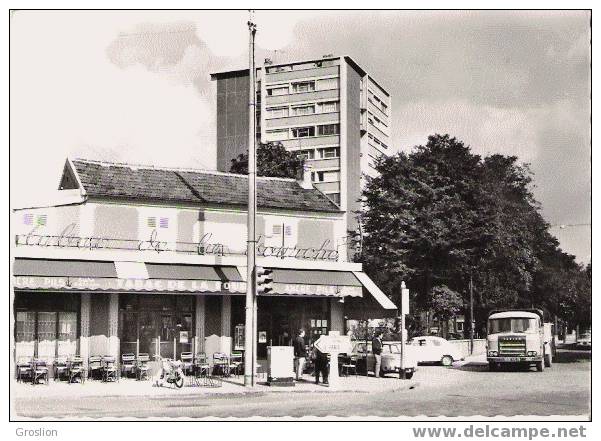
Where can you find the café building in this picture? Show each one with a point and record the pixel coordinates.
(138, 259)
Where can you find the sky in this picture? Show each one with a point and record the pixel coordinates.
(134, 86)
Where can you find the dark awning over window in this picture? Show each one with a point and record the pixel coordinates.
(63, 268)
(193, 272)
(315, 277)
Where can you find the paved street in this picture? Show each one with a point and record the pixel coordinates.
(469, 390)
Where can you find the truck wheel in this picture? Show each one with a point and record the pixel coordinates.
(446, 360)
(548, 360)
(540, 366)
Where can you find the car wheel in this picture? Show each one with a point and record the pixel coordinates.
(446, 360)
(540, 366)
(408, 375)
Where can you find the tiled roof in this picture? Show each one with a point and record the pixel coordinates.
(122, 181)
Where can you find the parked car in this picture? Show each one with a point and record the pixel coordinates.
(391, 358)
(432, 349)
(585, 341)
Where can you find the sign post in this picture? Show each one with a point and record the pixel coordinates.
(404, 310)
(334, 344)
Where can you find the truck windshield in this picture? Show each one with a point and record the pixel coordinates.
(526, 325)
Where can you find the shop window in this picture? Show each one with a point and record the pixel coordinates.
(318, 327)
(45, 334)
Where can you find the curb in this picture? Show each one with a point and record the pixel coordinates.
(243, 392)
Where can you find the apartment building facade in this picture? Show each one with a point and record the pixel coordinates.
(330, 110)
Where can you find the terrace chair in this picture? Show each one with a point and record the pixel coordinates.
(60, 369)
(142, 367)
(39, 372)
(350, 364)
(95, 367)
(201, 365)
(187, 359)
(109, 369)
(76, 369)
(236, 364)
(128, 364)
(220, 364)
(24, 370)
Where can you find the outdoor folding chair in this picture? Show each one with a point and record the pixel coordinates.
(76, 369)
(39, 371)
(142, 368)
(202, 372)
(350, 364)
(128, 364)
(24, 370)
(236, 364)
(95, 367)
(109, 369)
(187, 359)
(220, 364)
(60, 369)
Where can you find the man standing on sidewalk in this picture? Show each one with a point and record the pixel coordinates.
(300, 353)
(376, 348)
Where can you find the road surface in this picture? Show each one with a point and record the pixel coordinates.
(563, 389)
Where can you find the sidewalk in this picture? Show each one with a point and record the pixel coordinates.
(229, 386)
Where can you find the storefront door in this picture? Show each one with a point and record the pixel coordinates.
(156, 325)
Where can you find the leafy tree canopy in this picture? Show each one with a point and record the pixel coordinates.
(272, 160)
(440, 214)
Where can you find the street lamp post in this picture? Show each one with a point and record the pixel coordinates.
(250, 334)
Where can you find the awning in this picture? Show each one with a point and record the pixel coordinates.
(315, 283)
(63, 268)
(85, 275)
(48, 274)
(376, 292)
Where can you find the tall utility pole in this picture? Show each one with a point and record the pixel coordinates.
(250, 333)
(471, 315)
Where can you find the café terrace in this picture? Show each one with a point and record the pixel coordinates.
(139, 259)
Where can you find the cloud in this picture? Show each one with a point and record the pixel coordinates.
(135, 86)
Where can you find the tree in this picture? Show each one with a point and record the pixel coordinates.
(442, 215)
(272, 160)
(446, 304)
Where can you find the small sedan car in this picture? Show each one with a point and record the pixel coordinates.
(432, 349)
(391, 358)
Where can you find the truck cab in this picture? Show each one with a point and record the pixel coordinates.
(519, 337)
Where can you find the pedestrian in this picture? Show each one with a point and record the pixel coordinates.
(376, 349)
(300, 354)
(321, 366)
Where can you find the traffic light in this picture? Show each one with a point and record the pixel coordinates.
(264, 280)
